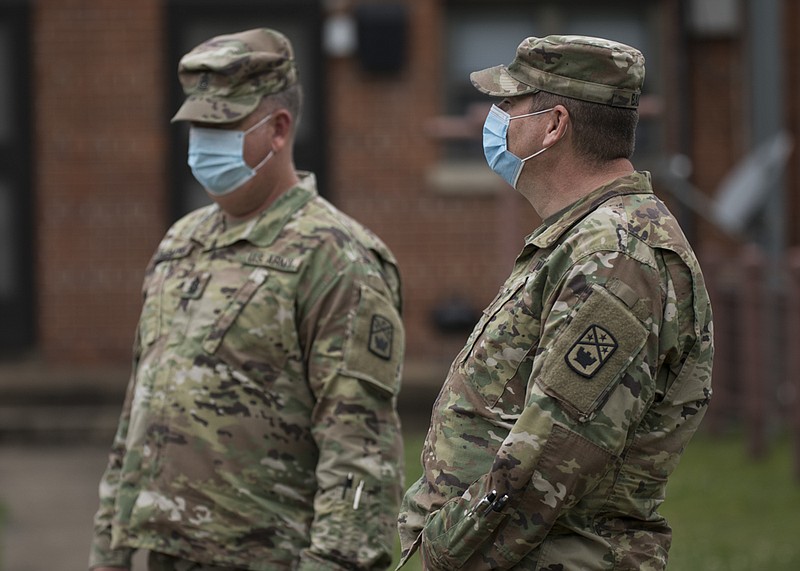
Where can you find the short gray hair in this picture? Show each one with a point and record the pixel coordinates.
(602, 132)
(290, 99)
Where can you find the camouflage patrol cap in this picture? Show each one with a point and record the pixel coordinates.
(225, 77)
(581, 67)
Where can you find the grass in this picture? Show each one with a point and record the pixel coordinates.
(727, 513)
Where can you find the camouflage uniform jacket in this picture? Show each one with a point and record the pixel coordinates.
(266, 370)
(572, 400)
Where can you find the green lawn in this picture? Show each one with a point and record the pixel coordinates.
(731, 514)
(727, 513)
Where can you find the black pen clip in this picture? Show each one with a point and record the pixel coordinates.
(500, 503)
(487, 500)
(348, 483)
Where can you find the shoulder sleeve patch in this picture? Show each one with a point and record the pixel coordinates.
(375, 342)
(591, 351)
(381, 337)
(588, 357)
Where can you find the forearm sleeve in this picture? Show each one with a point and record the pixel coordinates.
(354, 371)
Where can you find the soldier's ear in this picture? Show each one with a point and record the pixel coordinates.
(282, 126)
(558, 121)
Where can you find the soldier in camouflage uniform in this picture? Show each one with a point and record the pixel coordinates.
(560, 421)
(260, 429)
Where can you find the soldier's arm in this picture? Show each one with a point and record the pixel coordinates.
(355, 350)
(590, 382)
(101, 554)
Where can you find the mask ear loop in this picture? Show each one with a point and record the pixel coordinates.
(263, 162)
(257, 125)
(271, 152)
(529, 114)
(537, 153)
(540, 151)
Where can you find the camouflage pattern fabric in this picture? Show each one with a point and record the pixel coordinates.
(581, 67)
(161, 562)
(560, 421)
(225, 78)
(260, 428)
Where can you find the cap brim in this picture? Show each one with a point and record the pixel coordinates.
(496, 81)
(205, 109)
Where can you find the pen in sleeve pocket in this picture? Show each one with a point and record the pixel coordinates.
(357, 498)
(348, 483)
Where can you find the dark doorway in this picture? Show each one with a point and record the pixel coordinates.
(17, 319)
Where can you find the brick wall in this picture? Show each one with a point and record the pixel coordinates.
(99, 176)
(101, 182)
(381, 155)
(718, 125)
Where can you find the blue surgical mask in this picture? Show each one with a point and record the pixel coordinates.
(216, 157)
(495, 145)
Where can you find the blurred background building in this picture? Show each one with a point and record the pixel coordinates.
(92, 173)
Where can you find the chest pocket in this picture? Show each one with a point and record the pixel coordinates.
(237, 304)
(249, 321)
(167, 266)
(500, 349)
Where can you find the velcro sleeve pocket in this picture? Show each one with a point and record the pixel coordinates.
(375, 342)
(590, 353)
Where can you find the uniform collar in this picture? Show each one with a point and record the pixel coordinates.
(262, 230)
(638, 182)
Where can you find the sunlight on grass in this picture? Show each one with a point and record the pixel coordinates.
(727, 512)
